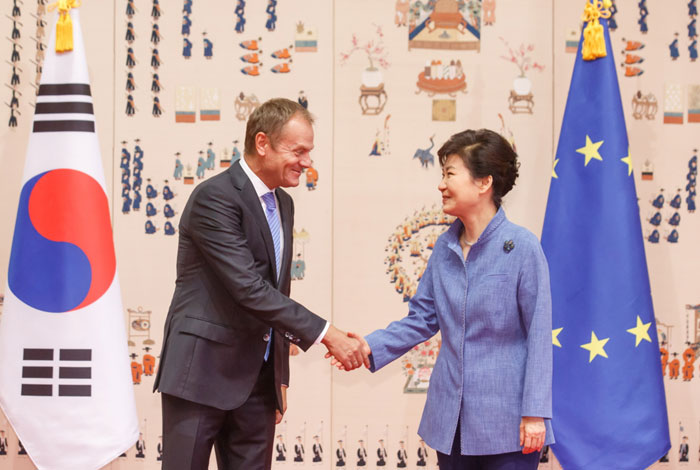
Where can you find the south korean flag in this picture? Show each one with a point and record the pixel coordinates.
(65, 384)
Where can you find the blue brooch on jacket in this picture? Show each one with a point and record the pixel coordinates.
(508, 246)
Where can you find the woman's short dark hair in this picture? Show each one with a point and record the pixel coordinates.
(484, 152)
(269, 118)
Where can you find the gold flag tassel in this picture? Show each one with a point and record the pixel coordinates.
(64, 25)
(593, 37)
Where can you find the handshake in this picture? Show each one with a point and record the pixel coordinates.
(347, 351)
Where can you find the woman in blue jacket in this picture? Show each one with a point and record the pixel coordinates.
(486, 289)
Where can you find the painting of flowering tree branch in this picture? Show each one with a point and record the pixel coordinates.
(373, 97)
(374, 49)
(521, 57)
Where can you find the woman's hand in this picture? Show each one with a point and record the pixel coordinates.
(532, 433)
(366, 351)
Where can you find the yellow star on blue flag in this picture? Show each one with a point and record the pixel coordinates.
(609, 406)
(590, 150)
(628, 161)
(555, 336)
(640, 332)
(596, 347)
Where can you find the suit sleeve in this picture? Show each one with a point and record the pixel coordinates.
(535, 303)
(419, 325)
(285, 371)
(215, 227)
(285, 361)
(282, 357)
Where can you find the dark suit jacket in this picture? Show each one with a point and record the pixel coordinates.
(227, 296)
(340, 454)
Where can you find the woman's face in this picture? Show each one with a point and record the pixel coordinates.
(460, 191)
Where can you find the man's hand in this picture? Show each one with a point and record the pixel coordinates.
(366, 351)
(345, 349)
(278, 414)
(532, 433)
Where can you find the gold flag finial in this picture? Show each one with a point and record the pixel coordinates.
(593, 37)
(64, 25)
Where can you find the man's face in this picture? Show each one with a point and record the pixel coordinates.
(284, 161)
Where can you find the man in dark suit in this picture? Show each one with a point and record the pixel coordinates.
(683, 450)
(140, 447)
(3, 442)
(401, 455)
(381, 454)
(299, 450)
(281, 449)
(317, 450)
(340, 455)
(225, 361)
(422, 454)
(361, 454)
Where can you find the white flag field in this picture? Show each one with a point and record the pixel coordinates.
(65, 384)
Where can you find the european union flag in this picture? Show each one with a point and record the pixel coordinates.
(608, 393)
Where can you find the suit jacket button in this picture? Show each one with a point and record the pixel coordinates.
(266, 337)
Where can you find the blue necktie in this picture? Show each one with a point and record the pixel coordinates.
(273, 221)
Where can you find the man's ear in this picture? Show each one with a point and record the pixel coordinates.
(262, 142)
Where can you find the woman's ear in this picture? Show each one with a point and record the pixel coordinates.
(486, 183)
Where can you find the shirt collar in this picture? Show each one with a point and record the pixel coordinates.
(494, 224)
(260, 187)
(456, 228)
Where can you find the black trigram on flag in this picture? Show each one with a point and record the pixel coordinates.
(64, 107)
(70, 378)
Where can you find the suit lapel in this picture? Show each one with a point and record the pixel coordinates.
(252, 202)
(287, 227)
